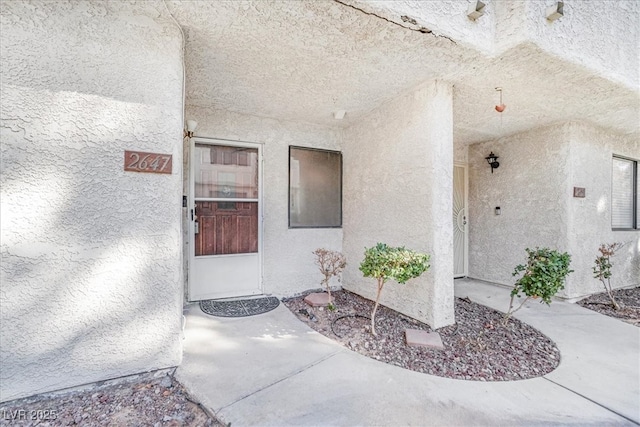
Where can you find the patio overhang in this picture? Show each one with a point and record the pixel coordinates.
(303, 61)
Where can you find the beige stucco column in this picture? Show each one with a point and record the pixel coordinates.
(398, 178)
(438, 110)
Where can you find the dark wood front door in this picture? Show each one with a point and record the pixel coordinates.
(226, 228)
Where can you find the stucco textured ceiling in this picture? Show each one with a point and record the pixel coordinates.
(303, 60)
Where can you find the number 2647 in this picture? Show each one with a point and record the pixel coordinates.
(147, 162)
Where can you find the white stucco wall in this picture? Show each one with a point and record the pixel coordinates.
(444, 17)
(288, 262)
(398, 190)
(460, 152)
(530, 187)
(602, 36)
(534, 188)
(91, 262)
(591, 151)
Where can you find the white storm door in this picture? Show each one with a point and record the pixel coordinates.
(225, 226)
(460, 222)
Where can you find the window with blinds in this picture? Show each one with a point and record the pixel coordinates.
(625, 209)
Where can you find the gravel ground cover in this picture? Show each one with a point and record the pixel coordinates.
(146, 400)
(628, 299)
(477, 347)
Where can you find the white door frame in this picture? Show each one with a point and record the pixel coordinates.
(465, 273)
(192, 204)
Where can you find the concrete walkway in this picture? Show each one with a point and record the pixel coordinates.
(272, 370)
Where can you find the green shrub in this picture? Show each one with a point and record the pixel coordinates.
(544, 275)
(383, 263)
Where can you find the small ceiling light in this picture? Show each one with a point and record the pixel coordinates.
(475, 10)
(492, 159)
(339, 115)
(191, 127)
(500, 107)
(555, 12)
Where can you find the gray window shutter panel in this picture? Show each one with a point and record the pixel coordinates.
(622, 193)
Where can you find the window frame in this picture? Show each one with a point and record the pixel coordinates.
(297, 227)
(634, 194)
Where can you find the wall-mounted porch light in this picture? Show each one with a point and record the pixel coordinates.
(492, 159)
(475, 10)
(191, 127)
(555, 12)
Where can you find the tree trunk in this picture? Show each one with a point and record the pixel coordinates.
(607, 287)
(326, 284)
(509, 313)
(375, 307)
(613, 300)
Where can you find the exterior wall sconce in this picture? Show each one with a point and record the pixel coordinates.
(555, 12)
(492, 159)
(191, 127)
(476, 10)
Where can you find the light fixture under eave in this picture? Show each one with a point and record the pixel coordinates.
(475, 10)
(492, 159)
(191, 128)
(555, 12)
(500, 107)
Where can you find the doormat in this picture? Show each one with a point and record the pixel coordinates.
(239, 308)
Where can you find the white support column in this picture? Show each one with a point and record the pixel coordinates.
(438, 108)
(398, 190)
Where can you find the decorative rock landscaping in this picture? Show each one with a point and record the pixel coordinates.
(628, 299)
(478, 347)
(152, 399)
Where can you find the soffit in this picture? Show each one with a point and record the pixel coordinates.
(303, 60)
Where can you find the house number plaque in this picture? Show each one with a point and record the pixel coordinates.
(139, 161)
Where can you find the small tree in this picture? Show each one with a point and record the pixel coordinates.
(602, 269)
(544, 275)
(383, 263)
(330, 263)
